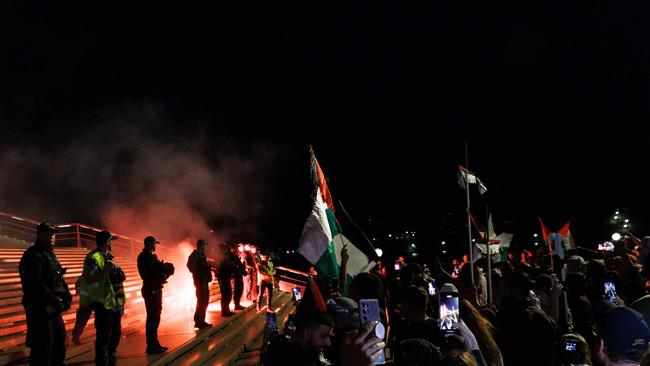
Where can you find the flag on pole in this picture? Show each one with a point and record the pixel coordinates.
(565, 232)
(321, 239)
(471, 179)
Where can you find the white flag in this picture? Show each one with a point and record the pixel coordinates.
(471, 179)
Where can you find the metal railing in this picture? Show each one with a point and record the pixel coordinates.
(291, 275)
(73, 235)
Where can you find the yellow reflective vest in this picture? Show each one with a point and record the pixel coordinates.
(100, 291)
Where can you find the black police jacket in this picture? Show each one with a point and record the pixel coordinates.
(42, 280)
(198, 264)
(153, 271)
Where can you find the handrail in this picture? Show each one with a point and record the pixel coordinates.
(292, 271)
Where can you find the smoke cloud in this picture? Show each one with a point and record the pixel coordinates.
(130, 174)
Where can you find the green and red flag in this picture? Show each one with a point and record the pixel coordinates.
(321, 239)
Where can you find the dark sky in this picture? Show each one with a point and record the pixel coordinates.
(552, 97)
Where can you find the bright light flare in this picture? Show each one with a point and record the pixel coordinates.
(179, 293)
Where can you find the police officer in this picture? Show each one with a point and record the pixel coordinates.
(198, 264)
(96, 292)
(117, 277)
(45, 297)
(267, 273)
(154, 273)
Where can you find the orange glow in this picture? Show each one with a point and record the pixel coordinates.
(216, 306)
(179, 292)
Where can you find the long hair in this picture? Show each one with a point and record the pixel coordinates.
(482, 330)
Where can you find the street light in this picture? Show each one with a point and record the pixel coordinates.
(379, 252)
(616, 236)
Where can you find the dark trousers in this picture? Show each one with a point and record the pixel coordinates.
(226, 293)
(202, 299)
(45, 338)
(103, 325)
(239, 288)
(265, 285)
(83, 315)
(116, 335)
(252, 286)
(153, 304)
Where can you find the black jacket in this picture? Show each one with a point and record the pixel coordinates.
(198, 264)
(41, 276)
(153, 271)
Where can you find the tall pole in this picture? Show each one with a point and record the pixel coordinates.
(489, 256)
(469, 223)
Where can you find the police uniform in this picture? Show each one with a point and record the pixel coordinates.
(100, 297)
(154, 274)
(43, 285)
(266, 274)
(117, 277)
(198, 264)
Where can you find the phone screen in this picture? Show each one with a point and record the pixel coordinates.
(570, 346)
(432, 288)
(449, 313)
(397, 266)
(607, 246)
(297, 295)
(610, 290)
(271, 322)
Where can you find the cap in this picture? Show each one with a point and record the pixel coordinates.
(103, 237)
(150, 240)
(623, 330)
(449, 288)
(44, 227)
(345, 308)
(575, 263)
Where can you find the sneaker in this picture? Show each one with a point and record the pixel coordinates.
(206, 325)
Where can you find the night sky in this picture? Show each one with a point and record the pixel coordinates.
(551, 97)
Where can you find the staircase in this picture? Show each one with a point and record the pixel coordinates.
(12, 315)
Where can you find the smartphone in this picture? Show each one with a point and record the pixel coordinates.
(432, 288)
(271, 322)
(610, 291)
(607, 246)
(448, 313)
(397, 265)
(570, 346)
(297, 295)
(369, 311)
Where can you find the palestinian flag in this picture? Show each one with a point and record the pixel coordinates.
(464, 174)
(546, 234)
(321, 239)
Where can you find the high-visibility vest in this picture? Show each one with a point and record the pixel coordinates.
(100, 291)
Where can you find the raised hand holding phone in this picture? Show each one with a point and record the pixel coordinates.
(369, 312)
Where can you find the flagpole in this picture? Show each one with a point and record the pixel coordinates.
(357, 227)
(489, 257)
(469, 223)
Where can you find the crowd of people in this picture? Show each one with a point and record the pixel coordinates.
(584, 308)
(100, 287)
(587, 308)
